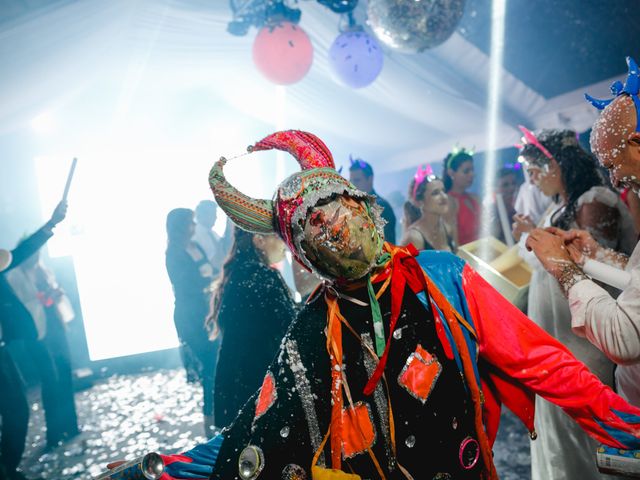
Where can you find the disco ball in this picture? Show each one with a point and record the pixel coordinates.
(414, 25)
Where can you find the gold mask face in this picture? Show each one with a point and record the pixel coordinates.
(340, 238)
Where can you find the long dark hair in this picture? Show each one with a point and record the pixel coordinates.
(454, 161)
(578, 169)
(243, 251)
(178, 222)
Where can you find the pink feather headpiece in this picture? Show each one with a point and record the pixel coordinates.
(529, 138)
(422, 174)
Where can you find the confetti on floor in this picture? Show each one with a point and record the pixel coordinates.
(126, 416)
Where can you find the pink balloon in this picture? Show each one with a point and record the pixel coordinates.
(283, 53)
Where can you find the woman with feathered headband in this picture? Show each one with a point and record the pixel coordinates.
(425, 212)
(397, 367)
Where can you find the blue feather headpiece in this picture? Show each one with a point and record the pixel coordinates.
(631, 87)
(359, 163)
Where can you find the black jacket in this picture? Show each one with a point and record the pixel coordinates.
(15, 320)
(255, 310)
(390, 217)
(434, 436)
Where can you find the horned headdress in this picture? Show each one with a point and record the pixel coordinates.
(286, 213)
(631, 87)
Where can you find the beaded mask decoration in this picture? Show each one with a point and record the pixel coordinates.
(315, 209)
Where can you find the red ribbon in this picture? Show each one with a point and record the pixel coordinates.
(405, 270)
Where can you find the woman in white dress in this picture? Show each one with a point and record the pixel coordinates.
(569, 175)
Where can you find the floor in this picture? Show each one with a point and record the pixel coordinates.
(123, 417)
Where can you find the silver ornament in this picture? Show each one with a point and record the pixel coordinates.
(414, 25)
(410, 441)
(250, 462)
(293, 472)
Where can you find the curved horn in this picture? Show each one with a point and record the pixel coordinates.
(308, 150)
(616, 87)
(248, 213)
(599, 104)
(632, 85)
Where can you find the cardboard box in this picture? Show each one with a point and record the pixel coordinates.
(512, 283)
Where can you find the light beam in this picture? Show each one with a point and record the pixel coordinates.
(498, 11)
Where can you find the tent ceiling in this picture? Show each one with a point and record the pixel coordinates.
(159, 58)
(557, 47)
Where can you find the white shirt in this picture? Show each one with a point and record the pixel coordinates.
(208, 240)
(612, 325)
(531, 202)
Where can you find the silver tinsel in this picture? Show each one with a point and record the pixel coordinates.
(124, 417)
(306, 395)
(414, 25)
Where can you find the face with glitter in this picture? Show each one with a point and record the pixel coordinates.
(616, 143)
(546, 176)
(340, 238)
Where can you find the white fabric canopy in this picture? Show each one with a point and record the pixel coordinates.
(172, 56)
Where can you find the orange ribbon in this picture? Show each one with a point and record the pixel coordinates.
(404, 270)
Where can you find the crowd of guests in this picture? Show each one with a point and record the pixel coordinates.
(567, 210)
(233, 307)
(564, 189)
(34, 311)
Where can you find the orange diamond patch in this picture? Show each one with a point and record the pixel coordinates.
(267, 395)
(419, 375)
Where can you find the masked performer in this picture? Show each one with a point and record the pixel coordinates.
(397, 367)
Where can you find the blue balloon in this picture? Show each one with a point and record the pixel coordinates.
(356, 58)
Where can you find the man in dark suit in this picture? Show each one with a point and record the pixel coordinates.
(361, 176)
(16, 323)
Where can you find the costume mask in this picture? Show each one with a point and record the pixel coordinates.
(331, 228)
(340, 238)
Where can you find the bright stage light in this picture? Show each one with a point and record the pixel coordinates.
(498, 11)
(117, 241)
(122, 190)
(43, 123)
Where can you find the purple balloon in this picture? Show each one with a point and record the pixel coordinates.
(356, 58)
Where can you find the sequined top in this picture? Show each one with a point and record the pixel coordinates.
(433, 412)
(278, 430)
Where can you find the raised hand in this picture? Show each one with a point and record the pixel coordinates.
(58, 214)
